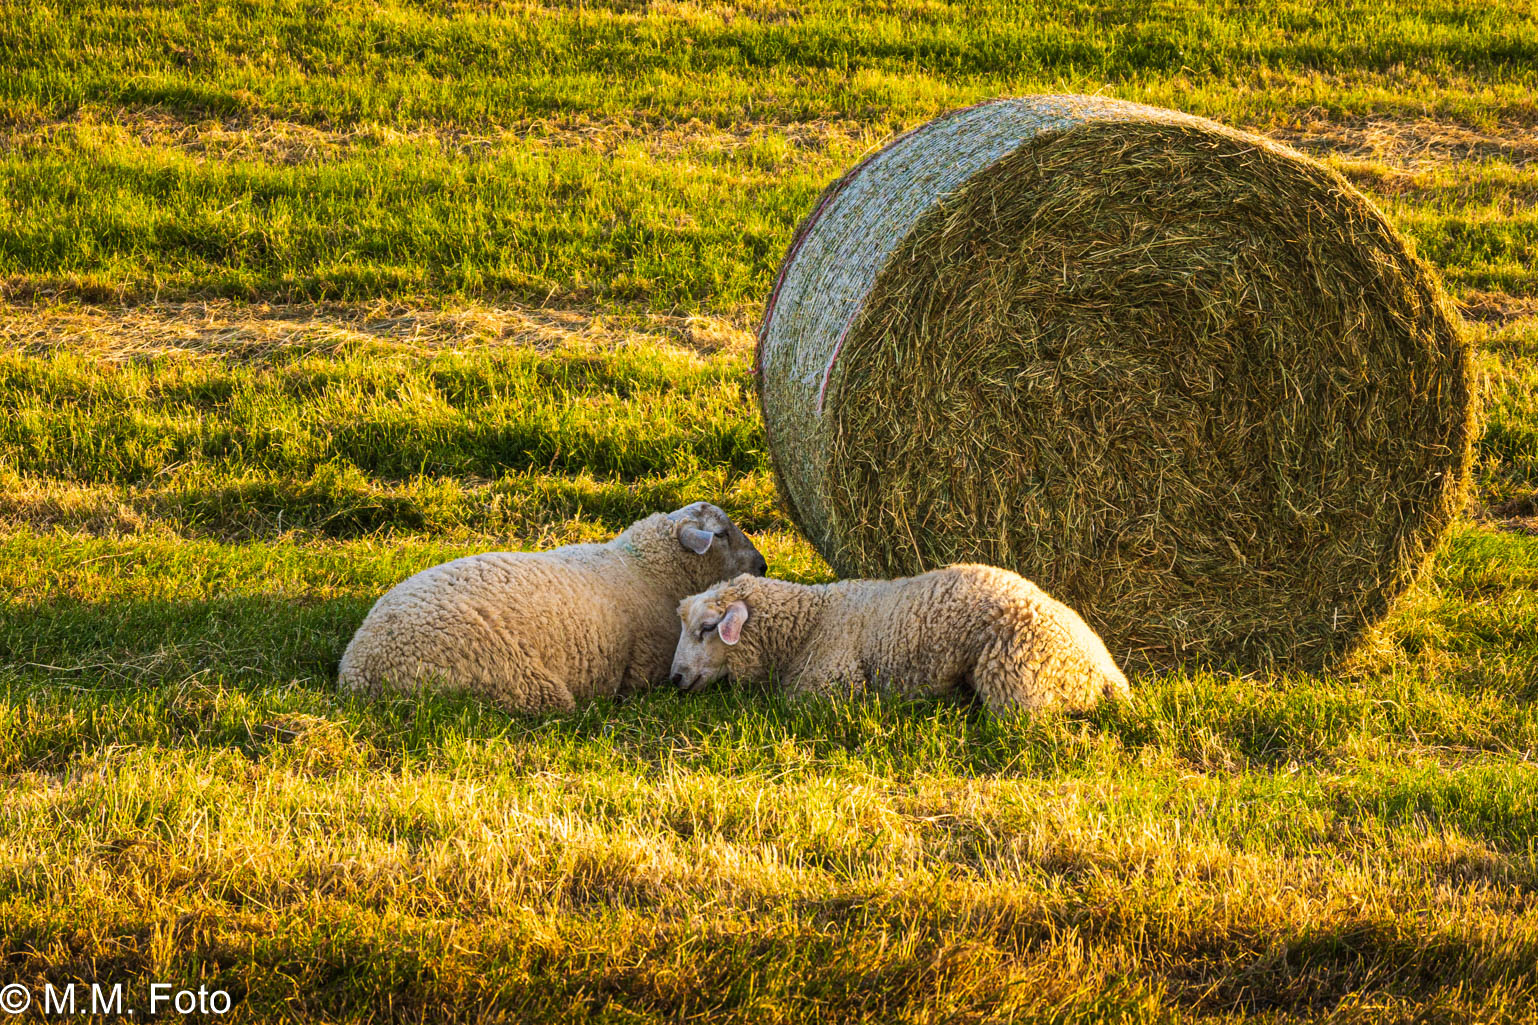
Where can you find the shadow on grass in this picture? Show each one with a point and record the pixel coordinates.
(80, 675)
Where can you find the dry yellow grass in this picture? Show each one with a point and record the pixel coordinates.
(246, 331)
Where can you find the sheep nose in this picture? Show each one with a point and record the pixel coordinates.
(678, 679)
(761, 567)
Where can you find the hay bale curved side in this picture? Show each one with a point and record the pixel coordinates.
(1188, 380)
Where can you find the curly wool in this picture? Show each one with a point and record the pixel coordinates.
(962, 627)
(541, 631)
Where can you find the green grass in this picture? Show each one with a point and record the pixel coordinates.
(183, 776)
(303, 298)
(470, 64)
(96, 212)
(652, 157)
(90, 215)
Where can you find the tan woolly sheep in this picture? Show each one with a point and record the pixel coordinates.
(540, 631)
(966, 626)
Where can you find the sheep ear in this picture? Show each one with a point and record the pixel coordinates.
(696, 540)
(730, 627)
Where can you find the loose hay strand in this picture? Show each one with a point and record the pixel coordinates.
(1190, 381)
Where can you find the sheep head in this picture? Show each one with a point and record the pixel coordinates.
(705, 530)
(712, 626)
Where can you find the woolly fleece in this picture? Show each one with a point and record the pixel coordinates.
(541, 631)
(963, 627)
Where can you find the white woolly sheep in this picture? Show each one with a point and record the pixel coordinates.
(965, 626)
(540, 631)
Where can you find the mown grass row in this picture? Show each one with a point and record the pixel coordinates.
(514, 175)
(98, 212)
(488, 441)
(403, 62)
(496, 440)
(402, 219)
(620, 413)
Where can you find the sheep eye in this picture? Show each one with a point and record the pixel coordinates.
(708, 628)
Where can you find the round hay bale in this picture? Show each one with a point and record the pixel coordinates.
(1187, 379)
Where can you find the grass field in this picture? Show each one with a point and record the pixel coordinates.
(300, 298)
